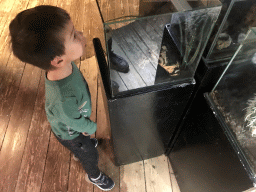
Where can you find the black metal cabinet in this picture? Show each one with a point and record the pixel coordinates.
(162, 43)
(144, 120)
(215, 148)
(142, 124)
(203, 158)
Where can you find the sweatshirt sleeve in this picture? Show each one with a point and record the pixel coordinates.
(69, 114)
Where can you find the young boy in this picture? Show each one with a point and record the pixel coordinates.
(44, 36)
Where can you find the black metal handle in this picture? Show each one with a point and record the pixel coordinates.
(104, 69)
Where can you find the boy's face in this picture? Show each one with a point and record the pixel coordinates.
(75, 43)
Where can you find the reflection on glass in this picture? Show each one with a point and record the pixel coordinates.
(183, 43)
(152, 42)
(235, 97)
(235, 19)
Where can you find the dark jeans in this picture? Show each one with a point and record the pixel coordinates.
(84, 150)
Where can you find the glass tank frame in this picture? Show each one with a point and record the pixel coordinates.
(233, 100)
(236, 17)
(137, 36)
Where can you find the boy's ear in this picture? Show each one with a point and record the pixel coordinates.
(56, 61)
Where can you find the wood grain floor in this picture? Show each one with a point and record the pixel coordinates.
(31, 159)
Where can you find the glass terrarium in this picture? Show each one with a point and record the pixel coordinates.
(234, 101)
(236, 17)
(151, 42)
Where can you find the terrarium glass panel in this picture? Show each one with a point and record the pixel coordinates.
(235, 98)
(236, 17)
(154, 42)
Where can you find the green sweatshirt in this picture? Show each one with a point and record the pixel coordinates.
(68, 105)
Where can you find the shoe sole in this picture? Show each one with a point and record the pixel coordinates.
(88, 180)
(75, 158)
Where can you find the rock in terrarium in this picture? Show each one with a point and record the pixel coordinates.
(224, 41)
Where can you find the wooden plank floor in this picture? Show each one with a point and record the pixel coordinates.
(31, 159)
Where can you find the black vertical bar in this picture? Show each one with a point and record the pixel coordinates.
(104, 69)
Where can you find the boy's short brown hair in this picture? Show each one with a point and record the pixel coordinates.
(36, 35)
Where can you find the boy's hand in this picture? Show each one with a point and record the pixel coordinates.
(85, 134)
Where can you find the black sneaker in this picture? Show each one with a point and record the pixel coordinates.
(116, 62)
(94, 142)
(104, 182)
